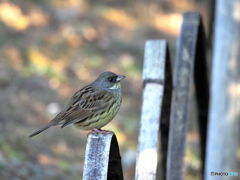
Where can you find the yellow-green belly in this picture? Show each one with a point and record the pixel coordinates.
(99, 120)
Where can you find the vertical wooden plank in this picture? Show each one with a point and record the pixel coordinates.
(190, 58)
(201, 88)
(114, 163)
(165, 118)
(224, 114)
(153, 79)
(102, 158)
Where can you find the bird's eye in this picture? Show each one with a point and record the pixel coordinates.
(112, 79)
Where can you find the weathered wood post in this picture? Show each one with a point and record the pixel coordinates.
(102, 158)
(224, 114)
(190, 64)
(157, 93)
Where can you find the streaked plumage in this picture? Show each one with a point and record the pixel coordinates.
(93, 106)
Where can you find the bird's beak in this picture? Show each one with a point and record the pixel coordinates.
(120, 77)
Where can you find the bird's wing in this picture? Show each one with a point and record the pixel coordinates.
(84, 104)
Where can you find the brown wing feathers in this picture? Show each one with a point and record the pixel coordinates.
(70, 111)
(84, 106)
(80, 107)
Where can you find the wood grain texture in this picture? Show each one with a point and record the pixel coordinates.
(190, 65)
(102, 158)
(224, 114)
(154, 71)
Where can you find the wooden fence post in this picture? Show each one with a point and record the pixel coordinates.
(157, 93)
(102, 158)
(224, 115)
(190, 61)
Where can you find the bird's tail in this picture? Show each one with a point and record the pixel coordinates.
(41, 130)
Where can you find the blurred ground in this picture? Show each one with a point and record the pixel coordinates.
(51, 48)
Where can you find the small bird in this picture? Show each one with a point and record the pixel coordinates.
(92, 107)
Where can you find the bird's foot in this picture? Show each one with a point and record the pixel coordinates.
(100, 131)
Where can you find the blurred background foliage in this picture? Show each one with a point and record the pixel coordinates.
(51, 48)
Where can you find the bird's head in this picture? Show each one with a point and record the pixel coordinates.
(109, 80)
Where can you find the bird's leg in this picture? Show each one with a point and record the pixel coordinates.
(100, 131)
(107, 132)
(95, 130)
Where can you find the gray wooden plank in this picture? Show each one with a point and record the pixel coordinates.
(165, 118)
(153, 79)
(201, 89)
(224, 113)
(102, 158)
(190, 62)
